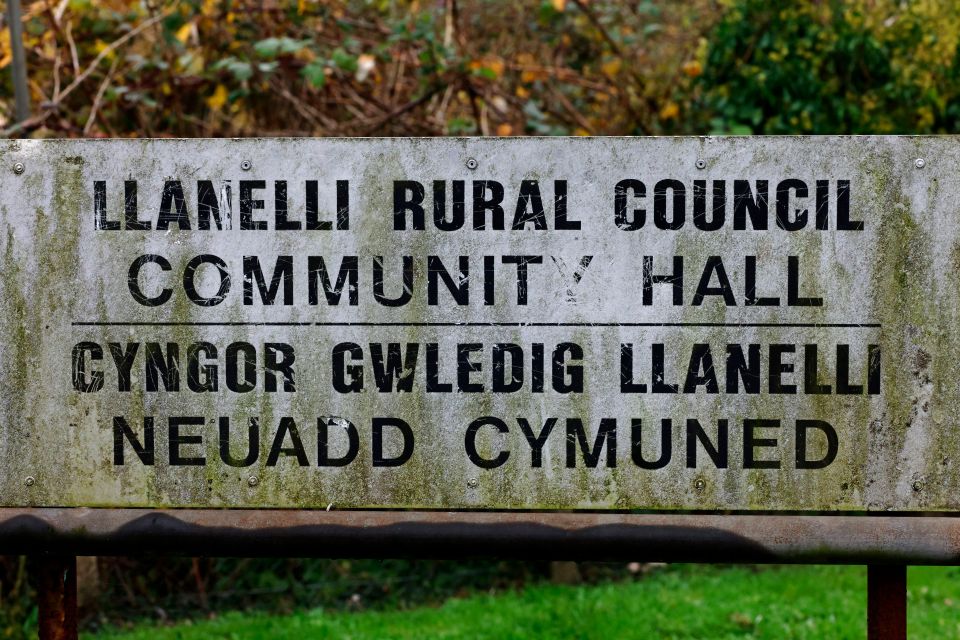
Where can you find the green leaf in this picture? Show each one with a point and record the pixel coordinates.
(485, 72)
(315, 74)
(237, 68)
(344, 60)
(270, 48)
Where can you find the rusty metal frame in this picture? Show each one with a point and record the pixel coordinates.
(811, 539)
(886, 602)
(56, 584)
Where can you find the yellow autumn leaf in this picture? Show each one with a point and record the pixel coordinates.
(612, 67)
(669, 110)
(529, 76)
(525, 58)
(692, 68)
(195, 65)
(218, 99)
(183, 33)
(559, 5)
(100, 46)
(5, 51)
(305, 54)
(240, 120)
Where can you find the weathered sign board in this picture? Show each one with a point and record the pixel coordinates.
(661, 324)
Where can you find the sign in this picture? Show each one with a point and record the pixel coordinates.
(701, 324)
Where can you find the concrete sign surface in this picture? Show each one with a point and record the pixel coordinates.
(658, 323)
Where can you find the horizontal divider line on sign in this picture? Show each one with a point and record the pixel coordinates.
(798, 325)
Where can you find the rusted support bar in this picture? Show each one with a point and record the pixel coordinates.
(887, 602)
(440, 534)
(56, 580)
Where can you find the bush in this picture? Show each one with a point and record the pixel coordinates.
(833, 68)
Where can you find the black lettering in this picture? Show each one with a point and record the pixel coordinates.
(636, 444)
(248, 205)
(163, 366)
(282, 274)
(745, 203)
(482, 204)
(287, 427)
(470, 442)
(379, 460)
(407, 292)
(529, 207)
(347, 378)
(280, 211)
(395, 367)
(457, 285)
(408, 197)
(278, 357)
(620, 194)
(253, 443)
(725, 290)
(100, 222)
(751, 442)
(678, 218)
(577, 438)
(347, 276)
(535, 441)
(201, 378)
(122, 431)
(81, 381)
(718, 453)
(133, 280)
(803, 426)
(178, 440)
(241, 367)
(173, 207)
(190, 275)
(323, 445)
(650, 279)
(799, 187)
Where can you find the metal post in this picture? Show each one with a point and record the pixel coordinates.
(57, 597)
(20, 90)
(886, 602)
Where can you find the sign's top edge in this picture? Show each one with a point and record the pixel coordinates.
(474, 139)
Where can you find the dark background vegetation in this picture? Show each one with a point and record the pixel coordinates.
(138, 68)
(487, 67)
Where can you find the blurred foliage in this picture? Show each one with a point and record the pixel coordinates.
(487, 67)
(18, 610)
(856, 67)
(357, 67)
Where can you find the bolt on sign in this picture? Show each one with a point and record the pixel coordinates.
(765, 324)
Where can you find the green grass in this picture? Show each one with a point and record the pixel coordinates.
(682, 601)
